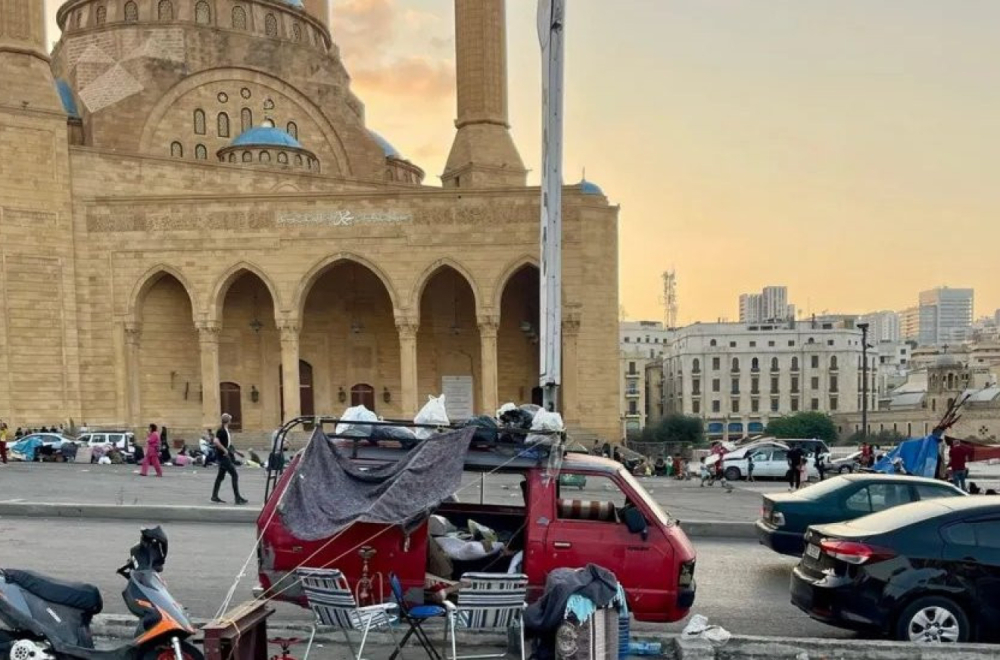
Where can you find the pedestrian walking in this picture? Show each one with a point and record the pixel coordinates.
(152, 455)
(3, 443)
(224, 448)
(958, 459)
(749, 467)
(794, 469)
(821, 465)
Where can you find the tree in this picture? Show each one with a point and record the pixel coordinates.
(804, 425)
(884, 438)
(679, 428)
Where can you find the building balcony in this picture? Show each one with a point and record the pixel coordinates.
(632, 374)
(632, 394)
(633, 415)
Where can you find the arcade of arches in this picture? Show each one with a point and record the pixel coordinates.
(350, 345)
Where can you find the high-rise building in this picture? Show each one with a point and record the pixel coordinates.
(770, 305)
(909, 324)
(945, 315)
(883, 326)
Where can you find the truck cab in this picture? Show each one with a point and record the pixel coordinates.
(610, 521)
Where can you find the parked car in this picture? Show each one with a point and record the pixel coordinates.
(921, 572)
(769, 462)
(811, 446)
(785, 516)
(847, 464)
(649, 553)
(124, 441)
(34, 445)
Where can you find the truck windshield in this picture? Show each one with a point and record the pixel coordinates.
(657, 510)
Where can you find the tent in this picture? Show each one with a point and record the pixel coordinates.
(919, 456)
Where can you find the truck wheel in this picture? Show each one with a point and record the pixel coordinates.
(933, 620)
(732, 473)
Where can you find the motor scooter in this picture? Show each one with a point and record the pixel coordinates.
(46, 619)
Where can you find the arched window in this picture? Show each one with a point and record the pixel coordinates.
(298, 159)
(363, 395)
(247, 157)
(239, 18)
(270, 25)
(202, 13)
(736, 364)
(774, 364)
(296, 32)
(200, 152)
(131, 12)
(199, 122)
(283, 158)
(177, 150)
(265, 156)
(388, 174)
(246, 120)
(795, 364)
(223, 125)
(232, 157)
(755, 365)
(696, 366)
(165, 10)
(713, 343)
(833, 362)
(293, 129)
(102, 15)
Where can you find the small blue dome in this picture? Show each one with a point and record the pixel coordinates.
(588, 188)
(260, 136)
(387, 149)
(66, 96)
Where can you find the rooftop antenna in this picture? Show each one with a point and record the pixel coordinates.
(669, 301)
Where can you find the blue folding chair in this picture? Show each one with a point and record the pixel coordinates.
(415, 616)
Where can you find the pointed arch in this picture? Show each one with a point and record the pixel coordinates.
(512, 268)
(229, 276)
(326, 263)
(148, 279)
(433, 269)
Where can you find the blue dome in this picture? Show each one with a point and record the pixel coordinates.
(260, 136)
(66, 96)
(588, 188)
(387, 149)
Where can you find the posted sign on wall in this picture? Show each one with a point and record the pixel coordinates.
(458, 396)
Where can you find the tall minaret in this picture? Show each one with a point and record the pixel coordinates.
(483, 154)
(25, 78)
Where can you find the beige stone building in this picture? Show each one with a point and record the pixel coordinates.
(195, 217)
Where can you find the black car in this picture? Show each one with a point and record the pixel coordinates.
(922, 572)
(785, 516)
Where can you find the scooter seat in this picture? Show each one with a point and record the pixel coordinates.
(79, 596)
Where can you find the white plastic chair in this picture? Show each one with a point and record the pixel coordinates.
(332, 601)
(488, 601)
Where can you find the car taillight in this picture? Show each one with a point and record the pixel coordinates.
(686, 577)
(852, 552)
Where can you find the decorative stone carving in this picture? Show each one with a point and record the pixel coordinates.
(133, 333)
(489, 324)
(208, 332)
(407, 327)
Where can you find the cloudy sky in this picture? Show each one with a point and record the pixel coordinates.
(845, 148)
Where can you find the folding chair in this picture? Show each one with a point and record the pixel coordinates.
(488, 601)
(415, 616)
(331, 600)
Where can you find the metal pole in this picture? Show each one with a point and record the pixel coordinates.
(864, 378)
(551, 20)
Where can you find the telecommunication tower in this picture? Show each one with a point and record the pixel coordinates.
(670, 298)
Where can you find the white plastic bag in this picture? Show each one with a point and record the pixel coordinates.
(433, 412)
(545, 421)
(507, 407)
(698, 626)
(356, 414)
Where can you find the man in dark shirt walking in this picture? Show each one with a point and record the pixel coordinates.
(795, 458)
(223, 445)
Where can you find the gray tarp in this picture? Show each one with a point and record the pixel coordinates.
(328, 492)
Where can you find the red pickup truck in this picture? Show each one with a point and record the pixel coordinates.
(647, 550)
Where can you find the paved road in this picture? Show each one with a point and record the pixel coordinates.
(741, 586)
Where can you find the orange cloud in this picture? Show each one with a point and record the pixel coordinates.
(409, 76)
(364, 26)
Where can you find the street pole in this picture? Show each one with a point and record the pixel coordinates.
(551, 22)
(864, 378)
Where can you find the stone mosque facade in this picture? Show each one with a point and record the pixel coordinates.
(196, 218)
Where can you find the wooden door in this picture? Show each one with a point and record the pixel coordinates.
(307, 401)
(229, 398)
(363, 395)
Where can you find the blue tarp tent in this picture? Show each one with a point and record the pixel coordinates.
(920, 456)
(28, 448)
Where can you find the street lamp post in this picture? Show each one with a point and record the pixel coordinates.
(864, 378)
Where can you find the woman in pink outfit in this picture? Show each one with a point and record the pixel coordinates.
(152, 456)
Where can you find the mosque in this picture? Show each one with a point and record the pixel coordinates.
(195, 217)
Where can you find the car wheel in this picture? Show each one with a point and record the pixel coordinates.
(933, 620)
(844, 469)
(732, 474)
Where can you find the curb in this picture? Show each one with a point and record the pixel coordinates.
(158, 513)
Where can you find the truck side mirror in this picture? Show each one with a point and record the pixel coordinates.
(635, 522)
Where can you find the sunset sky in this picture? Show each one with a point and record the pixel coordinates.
(849, 149)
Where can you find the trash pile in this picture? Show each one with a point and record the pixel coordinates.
(526, 424)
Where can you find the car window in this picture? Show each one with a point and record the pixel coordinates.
(886, 496)
(97, 438)
(929, 492)
(116, 438)
(859, 501)
(761, 456)
(780, 455)
(988, 534)
(598, 498)
(960, 534)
